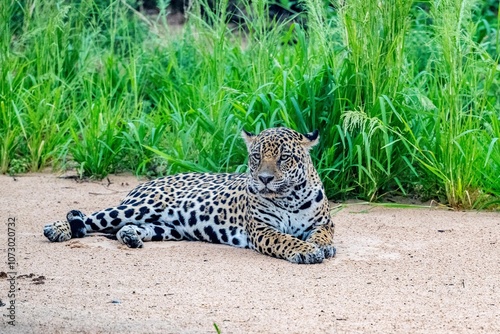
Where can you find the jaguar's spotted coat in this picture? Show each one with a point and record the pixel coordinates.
(278, 208)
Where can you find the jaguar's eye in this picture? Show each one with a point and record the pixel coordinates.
(255, 156)
(285, 157)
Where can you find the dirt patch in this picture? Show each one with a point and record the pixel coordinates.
(396, 270)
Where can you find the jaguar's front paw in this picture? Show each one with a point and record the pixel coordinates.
(328, 251)
(58, 231)
(310, 255)
(128, 236)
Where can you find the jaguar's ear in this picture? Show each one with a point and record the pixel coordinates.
(248, 137)
(311, 139)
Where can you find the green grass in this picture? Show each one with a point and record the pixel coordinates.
(405, 94)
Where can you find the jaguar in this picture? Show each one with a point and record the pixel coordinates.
(278, 207)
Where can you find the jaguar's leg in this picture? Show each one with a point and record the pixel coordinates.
(134, 236)
(110, 220)
(72, 227)
(270, 241)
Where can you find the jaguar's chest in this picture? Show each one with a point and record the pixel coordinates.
(291, 216)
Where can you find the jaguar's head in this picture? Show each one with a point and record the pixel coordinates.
(279, 161)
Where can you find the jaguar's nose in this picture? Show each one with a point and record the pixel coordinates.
(266, 179)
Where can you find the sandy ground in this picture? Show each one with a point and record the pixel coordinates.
(396, 271)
